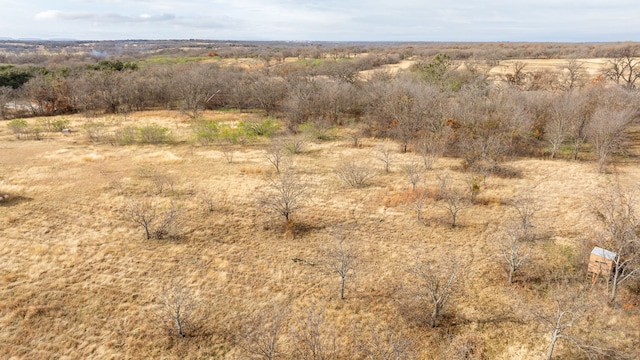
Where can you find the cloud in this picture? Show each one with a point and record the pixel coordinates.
(104, 17)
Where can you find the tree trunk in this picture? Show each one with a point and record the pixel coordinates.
(554, 338)
(434, 315)
(511, 271)
(614, 286)
(342, 289)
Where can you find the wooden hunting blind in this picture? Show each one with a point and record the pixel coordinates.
(601, 262)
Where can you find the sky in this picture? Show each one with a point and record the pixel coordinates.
(328, 20)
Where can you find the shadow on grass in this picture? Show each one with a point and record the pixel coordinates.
(14, 200)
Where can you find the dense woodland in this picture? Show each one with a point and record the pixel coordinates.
(445, 103)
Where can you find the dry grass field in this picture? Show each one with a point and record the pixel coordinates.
(78, 279)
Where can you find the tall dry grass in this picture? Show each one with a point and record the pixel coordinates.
(78, 279)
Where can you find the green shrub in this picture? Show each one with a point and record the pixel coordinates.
(206, 132)
(95, 131)
(49, 125)
(125, 136)
(317, 133)
(153, 134)
(19, 128)
(22, 130)
(233, 135)
(266, 128)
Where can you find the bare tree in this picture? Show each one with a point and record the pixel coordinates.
(313, 341)
(354, 174)
(156, 223)
(623, 70)
(514, 249)
(413, 171)
(577, 131)
(564, 111)
(276, 154)
(573, 75)
(177, 309)
(6, 95)
(565, 320)
(451, 197)
(385, 155)
(518, 76)
(607, 132)
(262, 335)
(419, 202)
(432, 146)
(526, 206)
(195, 88)
(434, 285)
(616, 210)
(342, 259)
(284, 194)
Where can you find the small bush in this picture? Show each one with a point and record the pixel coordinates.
(22, 130)
(295, 144)
(206, 132)
(354, 174)
(153, 134)
(233, 135)
(319, 133)
(267, 128)
(19, 128)
(125, 136)
(49, 125)
(95, 131)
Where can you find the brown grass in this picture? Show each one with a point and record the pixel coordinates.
(78, 280)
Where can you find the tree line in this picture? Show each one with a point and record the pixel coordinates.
(439, 106)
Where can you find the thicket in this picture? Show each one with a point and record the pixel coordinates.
(442, 106)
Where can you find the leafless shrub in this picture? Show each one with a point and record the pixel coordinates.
(432, 146)
(420, 200)
(564, 319)
(616, 211)
(354, 174)
(178, 311)
(162, 182)
(262, 335)
(276, 154)
(156, 223)
(228, 150)
(207, 201)
(526, 206)
(451, 198)
(295, 144)
(607, 133)
(284, 194)
(413, 171)
(515, 249)
(342, 259)
(313, 338)
(434, 285)
(385, 155)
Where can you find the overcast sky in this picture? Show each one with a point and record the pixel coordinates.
(328, 20)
